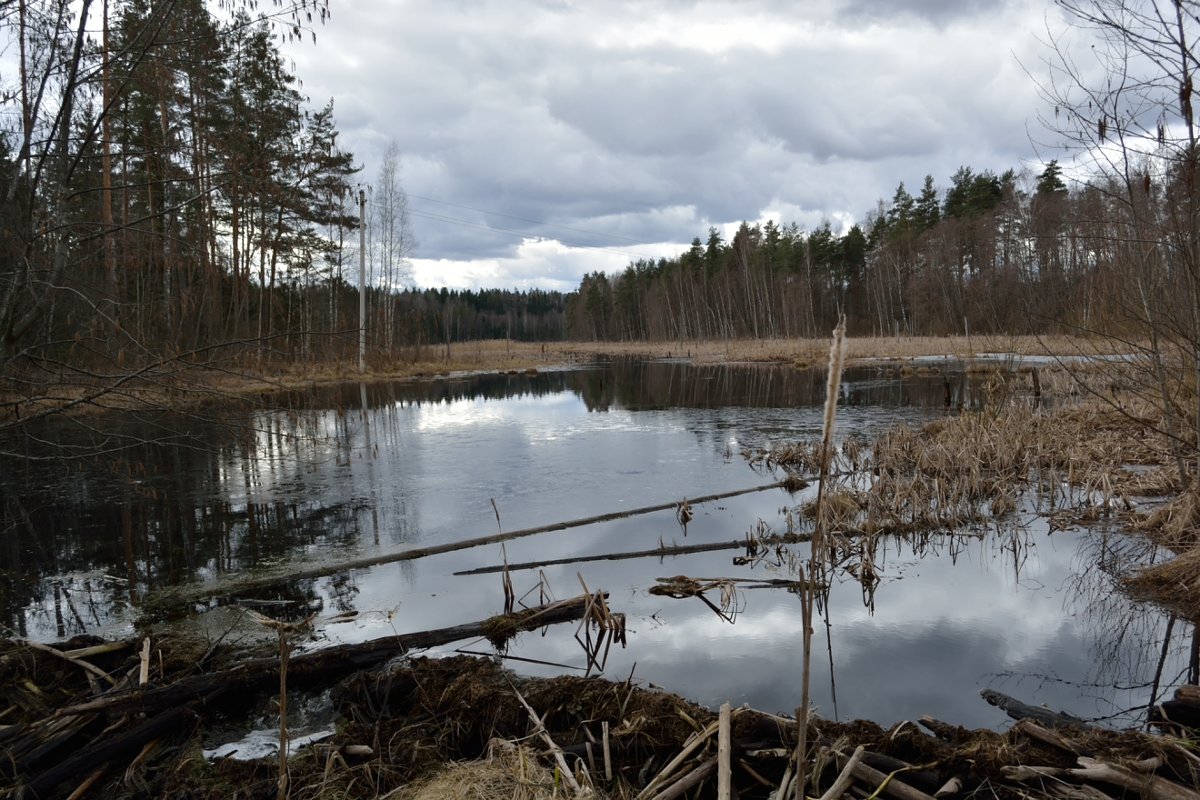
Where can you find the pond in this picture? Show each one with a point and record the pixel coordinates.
(368, 469)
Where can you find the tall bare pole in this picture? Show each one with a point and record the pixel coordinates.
(362, 281)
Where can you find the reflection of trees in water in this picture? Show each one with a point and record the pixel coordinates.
(154, 516)
(1131, 639)
(640, 385)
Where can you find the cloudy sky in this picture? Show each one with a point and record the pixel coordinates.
(543, 139)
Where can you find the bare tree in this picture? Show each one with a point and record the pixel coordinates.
(1120, 82)
(394, 241)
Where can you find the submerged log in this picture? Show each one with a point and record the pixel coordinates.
(1018, 710)
(179, 598)
(656, 552)
(333, 660)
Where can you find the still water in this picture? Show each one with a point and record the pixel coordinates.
(368, 469)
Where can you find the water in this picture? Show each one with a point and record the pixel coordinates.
(369, 469)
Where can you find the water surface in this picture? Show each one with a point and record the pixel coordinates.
(369, 469)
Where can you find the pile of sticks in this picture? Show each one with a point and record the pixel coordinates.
(120, 715)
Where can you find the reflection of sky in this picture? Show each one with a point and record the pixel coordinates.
(947, 622)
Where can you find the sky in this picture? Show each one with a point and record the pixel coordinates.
(541, 140)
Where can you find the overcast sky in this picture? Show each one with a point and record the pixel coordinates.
(543, 139)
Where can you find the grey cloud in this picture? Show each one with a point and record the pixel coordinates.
(528, 111)
(939, 12)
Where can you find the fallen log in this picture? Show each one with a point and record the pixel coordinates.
(333, 660)
(178, 598)
(1018, 710)
(656, 552)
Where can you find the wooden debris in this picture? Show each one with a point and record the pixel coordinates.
(724, 772)
(180, 598)
(1150, 787)
(1019, 710)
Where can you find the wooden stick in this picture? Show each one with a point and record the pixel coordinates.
(693, 743)
(845, 776)
(949, 788)
(887, 784)
(144, 671)
(99, 649)
(88, 783)
(540, 730)
(84, 665)
(688, 781)
(1046, 736)
(607, 752)
(724, 772)
(1024, 772)
(1150, 787)
(183, 596)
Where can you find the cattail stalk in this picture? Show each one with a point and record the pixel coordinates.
(837, 362)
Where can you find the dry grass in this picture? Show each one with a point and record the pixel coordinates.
(510, 773)
(1174, 584)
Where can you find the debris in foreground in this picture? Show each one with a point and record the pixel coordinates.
(404, 727)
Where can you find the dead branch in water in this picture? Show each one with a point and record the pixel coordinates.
(657, 551)
(176, 599)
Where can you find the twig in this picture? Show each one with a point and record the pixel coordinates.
(540, 730)
(84, 665)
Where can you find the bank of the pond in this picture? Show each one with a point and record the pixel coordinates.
(189, 383)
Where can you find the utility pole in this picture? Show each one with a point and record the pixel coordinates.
(362, 281)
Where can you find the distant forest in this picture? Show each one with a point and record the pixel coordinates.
(166, 193)
(982, 256)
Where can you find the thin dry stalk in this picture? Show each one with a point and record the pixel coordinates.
(837, 361)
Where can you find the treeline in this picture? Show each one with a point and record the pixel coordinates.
(165, 189)
(985, 255)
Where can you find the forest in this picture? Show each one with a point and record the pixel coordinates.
(986, 255)
(168, 194)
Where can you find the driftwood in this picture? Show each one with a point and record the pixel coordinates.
(1018, 710)
(331, 661)
(178, 598)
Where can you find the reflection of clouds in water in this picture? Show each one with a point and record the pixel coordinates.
(948, 620)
